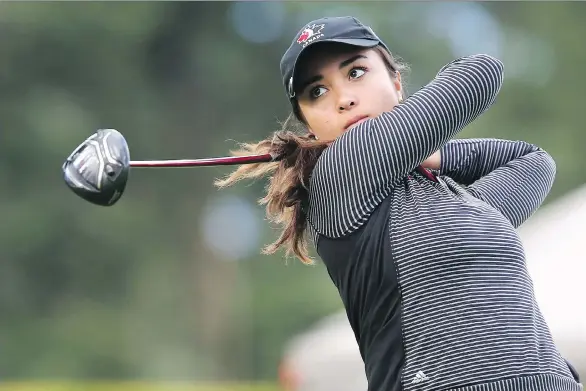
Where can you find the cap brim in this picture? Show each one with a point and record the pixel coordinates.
(358, 42)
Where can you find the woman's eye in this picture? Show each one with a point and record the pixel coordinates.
(357, 72)
(317, 92)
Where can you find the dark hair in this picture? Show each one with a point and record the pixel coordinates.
(287, 192)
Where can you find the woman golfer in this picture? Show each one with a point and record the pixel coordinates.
(416, 229)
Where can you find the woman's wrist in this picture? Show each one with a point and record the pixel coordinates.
(433, 162)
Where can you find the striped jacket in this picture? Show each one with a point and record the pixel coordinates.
(432, 273)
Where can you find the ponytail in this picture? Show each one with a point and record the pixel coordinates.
(287, 193)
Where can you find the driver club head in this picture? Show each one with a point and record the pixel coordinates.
(97, 170)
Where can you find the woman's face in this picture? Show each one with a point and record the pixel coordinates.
(341, 86)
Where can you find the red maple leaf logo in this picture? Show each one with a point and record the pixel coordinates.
(305, 35)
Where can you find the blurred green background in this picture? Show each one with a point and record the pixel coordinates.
(169, 284)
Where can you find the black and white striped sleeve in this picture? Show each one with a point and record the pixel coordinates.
(511, 176)
(361, 167)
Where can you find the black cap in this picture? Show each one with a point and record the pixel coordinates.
(342, 29)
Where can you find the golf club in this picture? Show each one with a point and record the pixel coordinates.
(97, 170)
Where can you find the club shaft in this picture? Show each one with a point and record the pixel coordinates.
(216, 161)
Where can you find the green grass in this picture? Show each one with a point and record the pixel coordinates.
(134, 386)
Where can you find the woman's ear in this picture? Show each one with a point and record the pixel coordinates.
(398, 85)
